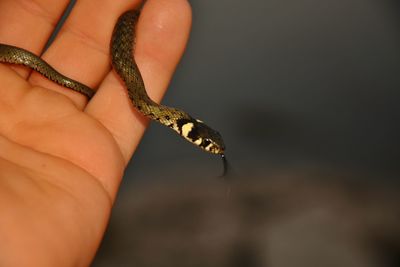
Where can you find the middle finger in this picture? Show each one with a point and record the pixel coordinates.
(81, 49)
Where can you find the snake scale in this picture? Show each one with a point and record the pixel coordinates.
(121, 50)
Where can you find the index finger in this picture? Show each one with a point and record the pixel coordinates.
(162, 33)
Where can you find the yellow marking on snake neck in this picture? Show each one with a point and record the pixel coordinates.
(198, 141)
(186, 128)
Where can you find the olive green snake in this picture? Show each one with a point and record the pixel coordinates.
(122, 61)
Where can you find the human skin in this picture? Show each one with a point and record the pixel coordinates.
(61, 157)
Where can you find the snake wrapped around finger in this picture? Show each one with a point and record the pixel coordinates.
(122, 60)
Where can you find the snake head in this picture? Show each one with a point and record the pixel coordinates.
(201, 135)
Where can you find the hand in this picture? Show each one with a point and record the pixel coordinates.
(62, 157)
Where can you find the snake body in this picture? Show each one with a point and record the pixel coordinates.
(15, 55)
(121, 50)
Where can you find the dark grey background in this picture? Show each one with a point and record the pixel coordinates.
(285, 82)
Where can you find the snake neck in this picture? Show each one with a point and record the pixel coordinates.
(122, 49)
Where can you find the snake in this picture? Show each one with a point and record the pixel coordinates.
(122, 60)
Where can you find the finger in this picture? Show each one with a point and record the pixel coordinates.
(162, 33)
(81, 49)
(29, 24)
(12, 90)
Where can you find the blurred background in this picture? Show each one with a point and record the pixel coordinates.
(286, 82)
(306, 95)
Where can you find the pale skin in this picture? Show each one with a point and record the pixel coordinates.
(62, 158)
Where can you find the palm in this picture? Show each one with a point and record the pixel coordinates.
(61, 158)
